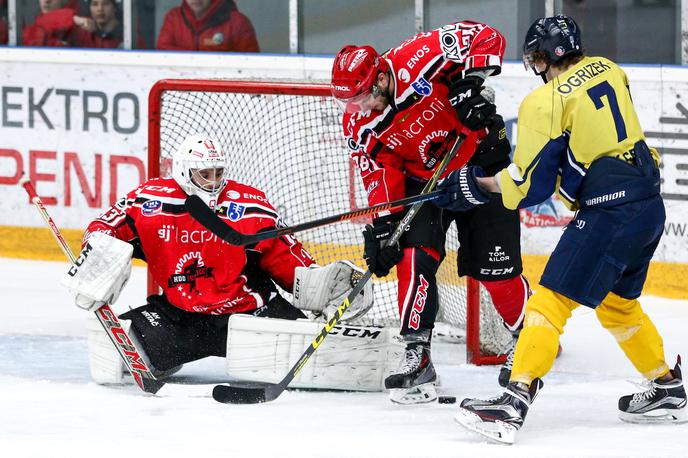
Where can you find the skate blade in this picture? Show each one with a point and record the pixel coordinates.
(420, 394)
(497, 431)
(656, 416)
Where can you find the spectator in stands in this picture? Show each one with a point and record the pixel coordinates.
(207, 25)
(53, 24)
(3, 22)
(102, 29)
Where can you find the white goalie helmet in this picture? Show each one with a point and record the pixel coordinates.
(199, 166)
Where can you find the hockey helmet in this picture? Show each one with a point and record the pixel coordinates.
(556, 37)
(354, 76)
(199, 166)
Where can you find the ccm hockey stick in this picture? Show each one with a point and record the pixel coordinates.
(107, 318)
(254, 392)
(204, 215)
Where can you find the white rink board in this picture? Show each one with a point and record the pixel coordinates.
(63, 108)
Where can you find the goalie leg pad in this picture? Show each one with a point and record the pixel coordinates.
(354, 358)
(105, 363)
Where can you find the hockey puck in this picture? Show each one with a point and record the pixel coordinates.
(446, 399)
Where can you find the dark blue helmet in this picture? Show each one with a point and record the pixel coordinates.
(556, 37)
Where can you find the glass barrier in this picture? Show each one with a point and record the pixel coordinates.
(511, 17)
(329, 25)
(630, 31)
(627, 31)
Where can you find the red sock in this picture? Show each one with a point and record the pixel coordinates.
(509, 298)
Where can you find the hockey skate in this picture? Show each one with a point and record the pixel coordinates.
(505, 370)
(663, 402)
(500, 417)
(415, 379)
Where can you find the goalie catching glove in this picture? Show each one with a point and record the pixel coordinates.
(100, 272)
(323, 289)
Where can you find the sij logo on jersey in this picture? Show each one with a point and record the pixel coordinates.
(151, 207)
(422, 86)
(235, 211)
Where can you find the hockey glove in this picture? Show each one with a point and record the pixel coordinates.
(461, 190)
(473, 110)
(379, 259)
(494, 151)
(100, 272)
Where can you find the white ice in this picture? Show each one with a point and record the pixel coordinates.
(49, 407)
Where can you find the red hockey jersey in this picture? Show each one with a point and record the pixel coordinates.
(197, 271)
(417, 129)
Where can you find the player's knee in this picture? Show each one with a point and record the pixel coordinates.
(620, 316)
(549, 309)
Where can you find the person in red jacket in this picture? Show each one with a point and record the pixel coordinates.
(64, 27)
(3, 22)
(53, 25)
(207, 25)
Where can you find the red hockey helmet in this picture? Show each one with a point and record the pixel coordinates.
(354, 73)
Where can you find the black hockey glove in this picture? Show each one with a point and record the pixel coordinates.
(494, 151)
(380, 260)
(461, 190)
(473, 110)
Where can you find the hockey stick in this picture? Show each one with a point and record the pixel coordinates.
(107, 318)
(207, 217)
(253, 393)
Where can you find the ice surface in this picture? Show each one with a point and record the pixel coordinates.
(50, 408)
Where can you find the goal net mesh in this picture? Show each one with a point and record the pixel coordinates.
(292, 148)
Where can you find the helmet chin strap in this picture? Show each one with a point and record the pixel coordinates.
(542, 74)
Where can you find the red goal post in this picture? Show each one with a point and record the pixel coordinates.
(285, 138)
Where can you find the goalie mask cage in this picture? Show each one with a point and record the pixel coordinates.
(286, 140)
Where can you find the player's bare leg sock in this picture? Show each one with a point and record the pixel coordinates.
(665, 399)
(509, 298)
(635, 333)
(500, 417)
(538, 343)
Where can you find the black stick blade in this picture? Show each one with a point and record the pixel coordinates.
(246, 393)
(207, 217)
(152, 386)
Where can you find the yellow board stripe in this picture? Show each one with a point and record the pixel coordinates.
(664, 278)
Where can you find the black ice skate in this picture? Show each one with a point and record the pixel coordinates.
(505, 370)
(500, 417)
(663, 402)
(414, 381)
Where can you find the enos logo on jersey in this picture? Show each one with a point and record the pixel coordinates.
(151, 207)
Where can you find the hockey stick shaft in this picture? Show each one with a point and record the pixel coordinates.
(275, 391)
(204, 215)
(107, 318)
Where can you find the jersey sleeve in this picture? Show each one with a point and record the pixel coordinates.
(113, 221)
(478, 47)
(279, 256)
(533, 175)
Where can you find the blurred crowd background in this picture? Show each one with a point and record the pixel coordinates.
(629, 31)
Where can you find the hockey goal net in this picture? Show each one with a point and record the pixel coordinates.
(286, 139)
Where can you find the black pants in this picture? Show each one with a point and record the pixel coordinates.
(171, 336)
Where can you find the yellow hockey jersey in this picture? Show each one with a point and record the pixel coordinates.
(583, 114)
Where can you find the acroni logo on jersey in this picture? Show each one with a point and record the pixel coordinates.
(151, 207)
